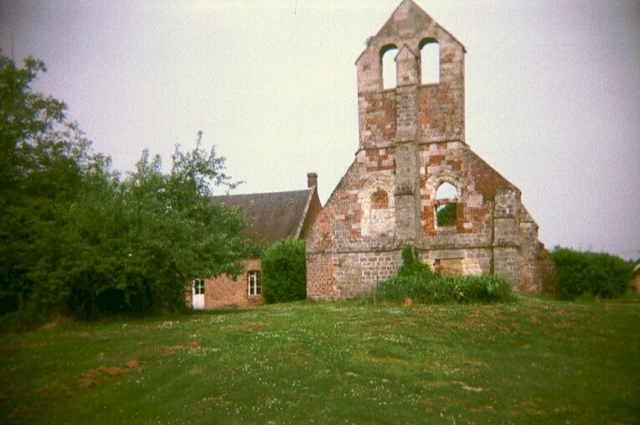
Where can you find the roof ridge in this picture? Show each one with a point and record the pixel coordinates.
(261, 193)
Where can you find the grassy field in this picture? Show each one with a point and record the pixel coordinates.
(531, 361)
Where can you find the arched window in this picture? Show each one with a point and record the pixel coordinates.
(446, 191)
(429, 62)
(446, 205)
(388, 59)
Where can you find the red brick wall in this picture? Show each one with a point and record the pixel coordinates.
(321, 282)
(225, 291)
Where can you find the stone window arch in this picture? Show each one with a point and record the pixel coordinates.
(429, 61)
(388, 66)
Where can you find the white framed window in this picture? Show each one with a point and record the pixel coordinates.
(198, 286)
(253, 283)
(197, 290)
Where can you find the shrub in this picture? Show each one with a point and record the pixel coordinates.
(446, 289)
(284, 272)
(413, 266)
(417, 282)
(598, 274)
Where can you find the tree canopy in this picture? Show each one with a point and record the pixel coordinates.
(77, 237)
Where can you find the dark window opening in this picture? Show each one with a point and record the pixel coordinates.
(446, 215)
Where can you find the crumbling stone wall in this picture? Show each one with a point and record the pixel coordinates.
(412, 141)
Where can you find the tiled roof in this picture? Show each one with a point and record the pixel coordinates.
(272, 216)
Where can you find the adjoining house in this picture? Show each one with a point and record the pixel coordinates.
(415, 180)
(271, 217)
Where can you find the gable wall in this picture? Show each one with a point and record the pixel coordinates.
(355, 244)
(411, 141)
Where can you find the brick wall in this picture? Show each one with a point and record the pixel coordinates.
(224, 290)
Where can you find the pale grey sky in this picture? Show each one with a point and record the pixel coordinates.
(552, 91)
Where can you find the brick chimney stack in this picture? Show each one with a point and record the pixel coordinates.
(312, 179)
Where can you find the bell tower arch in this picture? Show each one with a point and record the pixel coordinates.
(434, 110)
(410, 113)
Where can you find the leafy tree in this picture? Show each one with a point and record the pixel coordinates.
(42, 156)
(284, 271)
(76, 237)
(140, 240)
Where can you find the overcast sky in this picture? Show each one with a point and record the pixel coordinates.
(552, 91)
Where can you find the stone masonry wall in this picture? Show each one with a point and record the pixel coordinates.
(411, 143)
(439, 113)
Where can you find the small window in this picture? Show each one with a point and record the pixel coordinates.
(446, 206)
(388, 59)
(254, 285)
(429, 62)
(446, 214)
(198, 286)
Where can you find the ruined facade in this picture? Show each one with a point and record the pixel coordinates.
(414, 180)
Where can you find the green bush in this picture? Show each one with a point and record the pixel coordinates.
(598, 274)
(445, 289)
(413, 266)
(284, 272)
(417, 282)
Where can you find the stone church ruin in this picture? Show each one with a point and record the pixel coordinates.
(414, 179)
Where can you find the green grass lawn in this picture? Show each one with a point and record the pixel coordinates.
(531, 361)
